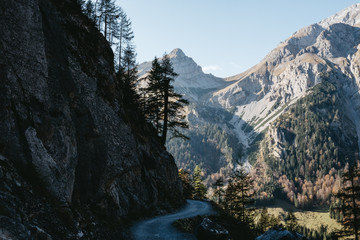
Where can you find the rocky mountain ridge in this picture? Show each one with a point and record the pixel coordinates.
(74, 163)
(287, 72)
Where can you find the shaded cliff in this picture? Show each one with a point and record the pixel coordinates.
(71, 165)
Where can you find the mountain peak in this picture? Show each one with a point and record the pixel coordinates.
(177, 52)
(350, 16)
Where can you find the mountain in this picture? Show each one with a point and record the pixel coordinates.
(253, 116)
(303, 104)
(261, 93)
(74, 162)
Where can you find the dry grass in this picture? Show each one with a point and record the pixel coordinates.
(310, 219)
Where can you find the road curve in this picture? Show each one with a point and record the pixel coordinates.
(160, 227)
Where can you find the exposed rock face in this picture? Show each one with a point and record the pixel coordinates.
(63, 125)
(286, 73)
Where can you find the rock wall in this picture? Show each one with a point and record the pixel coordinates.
(64, 133)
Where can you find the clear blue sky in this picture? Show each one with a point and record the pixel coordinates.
(224, 37)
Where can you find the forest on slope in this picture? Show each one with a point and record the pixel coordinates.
(307, 148)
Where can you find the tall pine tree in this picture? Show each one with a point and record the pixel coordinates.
(218, 189)
(108, 15)
(124, 34)
(238, 195)
(199, 187)
(174, 103)
(89, 10)
(153, 102)
(350, 197)
(165, 107)
(113, 23)
(128, 77)
(188, 188)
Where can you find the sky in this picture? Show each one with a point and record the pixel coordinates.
(224, 37)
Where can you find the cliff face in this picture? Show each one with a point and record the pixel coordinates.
(70, 166)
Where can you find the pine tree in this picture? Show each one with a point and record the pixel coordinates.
(291, 222)
(238, 195)
(164, 107)
(153, 101)
(81, 3)
(264, 221)
(112, 21)
(174, 116)
(199, 187)
(349, 195)
(124, 34)
(90, 10)
(188, 188)
(218, 189)
(128, 77)
(108, 15)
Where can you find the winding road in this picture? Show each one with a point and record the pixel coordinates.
(160, 227)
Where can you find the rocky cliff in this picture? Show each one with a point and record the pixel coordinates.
(71, 164)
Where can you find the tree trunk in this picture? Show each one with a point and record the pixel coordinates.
(242, 204)
(120, 43)
(157, 120)
(166, 109)
(105, 27)
(354, 208)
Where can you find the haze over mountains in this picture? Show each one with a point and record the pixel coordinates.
(245, 105)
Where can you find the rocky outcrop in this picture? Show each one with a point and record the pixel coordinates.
(209, 230)
(78, 155)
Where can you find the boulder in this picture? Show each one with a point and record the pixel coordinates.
(209, 230)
